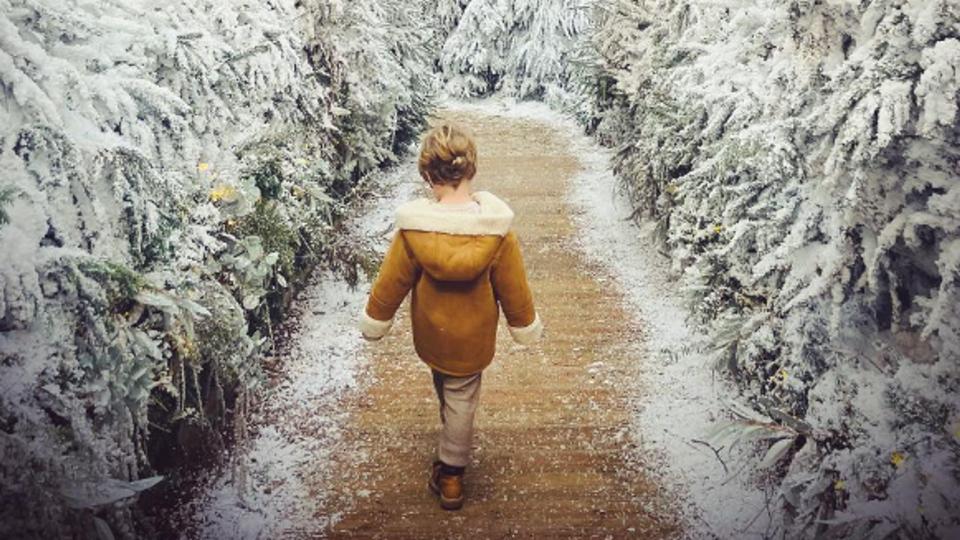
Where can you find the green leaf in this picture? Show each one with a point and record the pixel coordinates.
(194, 308)
(319, 194)
(254, 246)
(778, 450)
(103, 530)
(251, 301)
(111, 490)
(147, 344)
(144, 483)
(166, 384)
(156, 299)
(139, 373)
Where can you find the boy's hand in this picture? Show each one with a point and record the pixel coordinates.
(530, 334)
(372, 329)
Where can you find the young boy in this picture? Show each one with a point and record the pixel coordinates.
(460, 258)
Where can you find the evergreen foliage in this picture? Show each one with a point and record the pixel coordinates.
(174, 171)
(800, 159)
(6, 196)
(519, 48)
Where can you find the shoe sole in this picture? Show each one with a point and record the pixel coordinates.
(451, 504)
(445, 503)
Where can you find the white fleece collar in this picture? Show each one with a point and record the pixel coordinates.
(495, 217)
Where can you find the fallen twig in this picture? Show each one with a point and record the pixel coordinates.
(715, 452)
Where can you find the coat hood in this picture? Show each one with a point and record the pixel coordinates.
(454, 246)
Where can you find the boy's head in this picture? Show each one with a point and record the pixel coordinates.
(448, 156)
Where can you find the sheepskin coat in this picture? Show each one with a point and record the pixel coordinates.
(462, 268)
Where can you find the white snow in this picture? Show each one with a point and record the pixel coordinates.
(303, 429)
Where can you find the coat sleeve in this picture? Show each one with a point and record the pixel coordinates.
(513, 292)
(398, 273)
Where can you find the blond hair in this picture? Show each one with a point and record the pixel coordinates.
(448, 155)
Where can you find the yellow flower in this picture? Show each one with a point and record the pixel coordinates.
(222, 192)
(717, 229)
(897, 459)
(202, 167)
(839, 485)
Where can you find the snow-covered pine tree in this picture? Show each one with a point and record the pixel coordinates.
(801, 159)
(447, 14)
(380, 68)
(165, 168)
(473, 57)
(520, 48)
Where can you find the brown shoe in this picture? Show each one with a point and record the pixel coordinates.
(447, 482)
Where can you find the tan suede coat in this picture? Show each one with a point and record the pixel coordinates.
(463, 268)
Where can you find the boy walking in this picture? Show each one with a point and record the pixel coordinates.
(458, 256)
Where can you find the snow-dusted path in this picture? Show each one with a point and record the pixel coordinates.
(587, 435)
(553, 444)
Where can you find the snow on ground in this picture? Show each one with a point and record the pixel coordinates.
(678, 397)
(299, 427)
(680, 394)
(303, 428)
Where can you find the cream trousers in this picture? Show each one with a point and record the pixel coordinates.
(458, 397)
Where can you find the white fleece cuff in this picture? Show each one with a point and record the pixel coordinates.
(525, 335)
(372, 328)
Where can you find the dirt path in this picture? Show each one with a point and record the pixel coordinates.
(552, 437)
